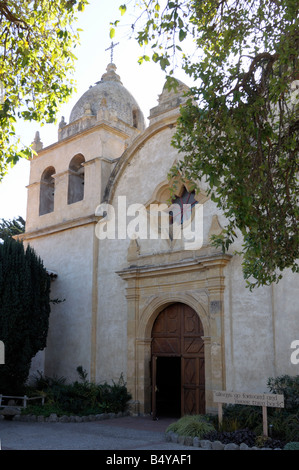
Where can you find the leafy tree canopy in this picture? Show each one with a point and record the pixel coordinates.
(239, 129)
(36, 58)
(9, 228)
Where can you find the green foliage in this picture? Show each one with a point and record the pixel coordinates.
(191, 425)
(261, 440)
(289, 387)
(9, 228)
(238, 131)
(24, 312)
(82, 373)
(290, 426)
(229, 425)
(36, 62)
(114, 396)
(79, 398)
(245, 416)
(242, 423)
(41, 382)
(283, 423)
(291, 446)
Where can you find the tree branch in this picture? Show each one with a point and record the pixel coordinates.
(263, 55)
(5, 11)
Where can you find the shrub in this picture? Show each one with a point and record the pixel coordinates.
(287, 386)
(229, 425)
(245, 417)
(191, 425)
(274, 444)
(292, 446)
(237, 437)
(261, 441)
(79, 398)
(291, 427)
(115, 396)
(24, 312)
(245, 436)
(41, 382)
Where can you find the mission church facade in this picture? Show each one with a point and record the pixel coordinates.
(176, 323)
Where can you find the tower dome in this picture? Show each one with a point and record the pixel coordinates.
(109, 97)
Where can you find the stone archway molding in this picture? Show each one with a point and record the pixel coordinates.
(151, 286)
(159, 302)
(144, 338)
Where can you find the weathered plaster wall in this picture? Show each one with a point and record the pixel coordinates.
(286, 322)
(70, 255)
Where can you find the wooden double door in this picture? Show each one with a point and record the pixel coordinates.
(178, 377)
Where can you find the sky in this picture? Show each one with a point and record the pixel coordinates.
(145, 82)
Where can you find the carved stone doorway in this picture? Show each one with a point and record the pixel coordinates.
(178, 378)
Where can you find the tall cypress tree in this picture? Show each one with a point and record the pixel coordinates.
(24, 312)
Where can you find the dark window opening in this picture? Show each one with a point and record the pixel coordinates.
(47, 190)
(182, 207)
(76, 179)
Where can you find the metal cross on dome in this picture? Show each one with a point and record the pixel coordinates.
(112, 46)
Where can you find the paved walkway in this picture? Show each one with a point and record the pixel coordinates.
(126, 433)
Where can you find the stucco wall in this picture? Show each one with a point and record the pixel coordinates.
(69, 254)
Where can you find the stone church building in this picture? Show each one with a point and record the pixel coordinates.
(175, 320)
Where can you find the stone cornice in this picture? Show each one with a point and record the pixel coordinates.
(59, 227)
(199, 263)
(99, 125)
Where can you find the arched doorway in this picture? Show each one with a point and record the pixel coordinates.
(177, 352)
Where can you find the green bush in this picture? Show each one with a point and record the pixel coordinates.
(78, 398)
(115, 396)
(291, 446)
(245, 416)
(291, 427)
(191, 425)
(284, 422)
(24, 312)
(289, 387)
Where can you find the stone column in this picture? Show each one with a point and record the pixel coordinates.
(215, 283)
(32, 205)
(93, 181)
(132, 296)
(143, 386)
(61, 188)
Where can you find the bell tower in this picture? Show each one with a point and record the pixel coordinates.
(67, 179)
(67, 182)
